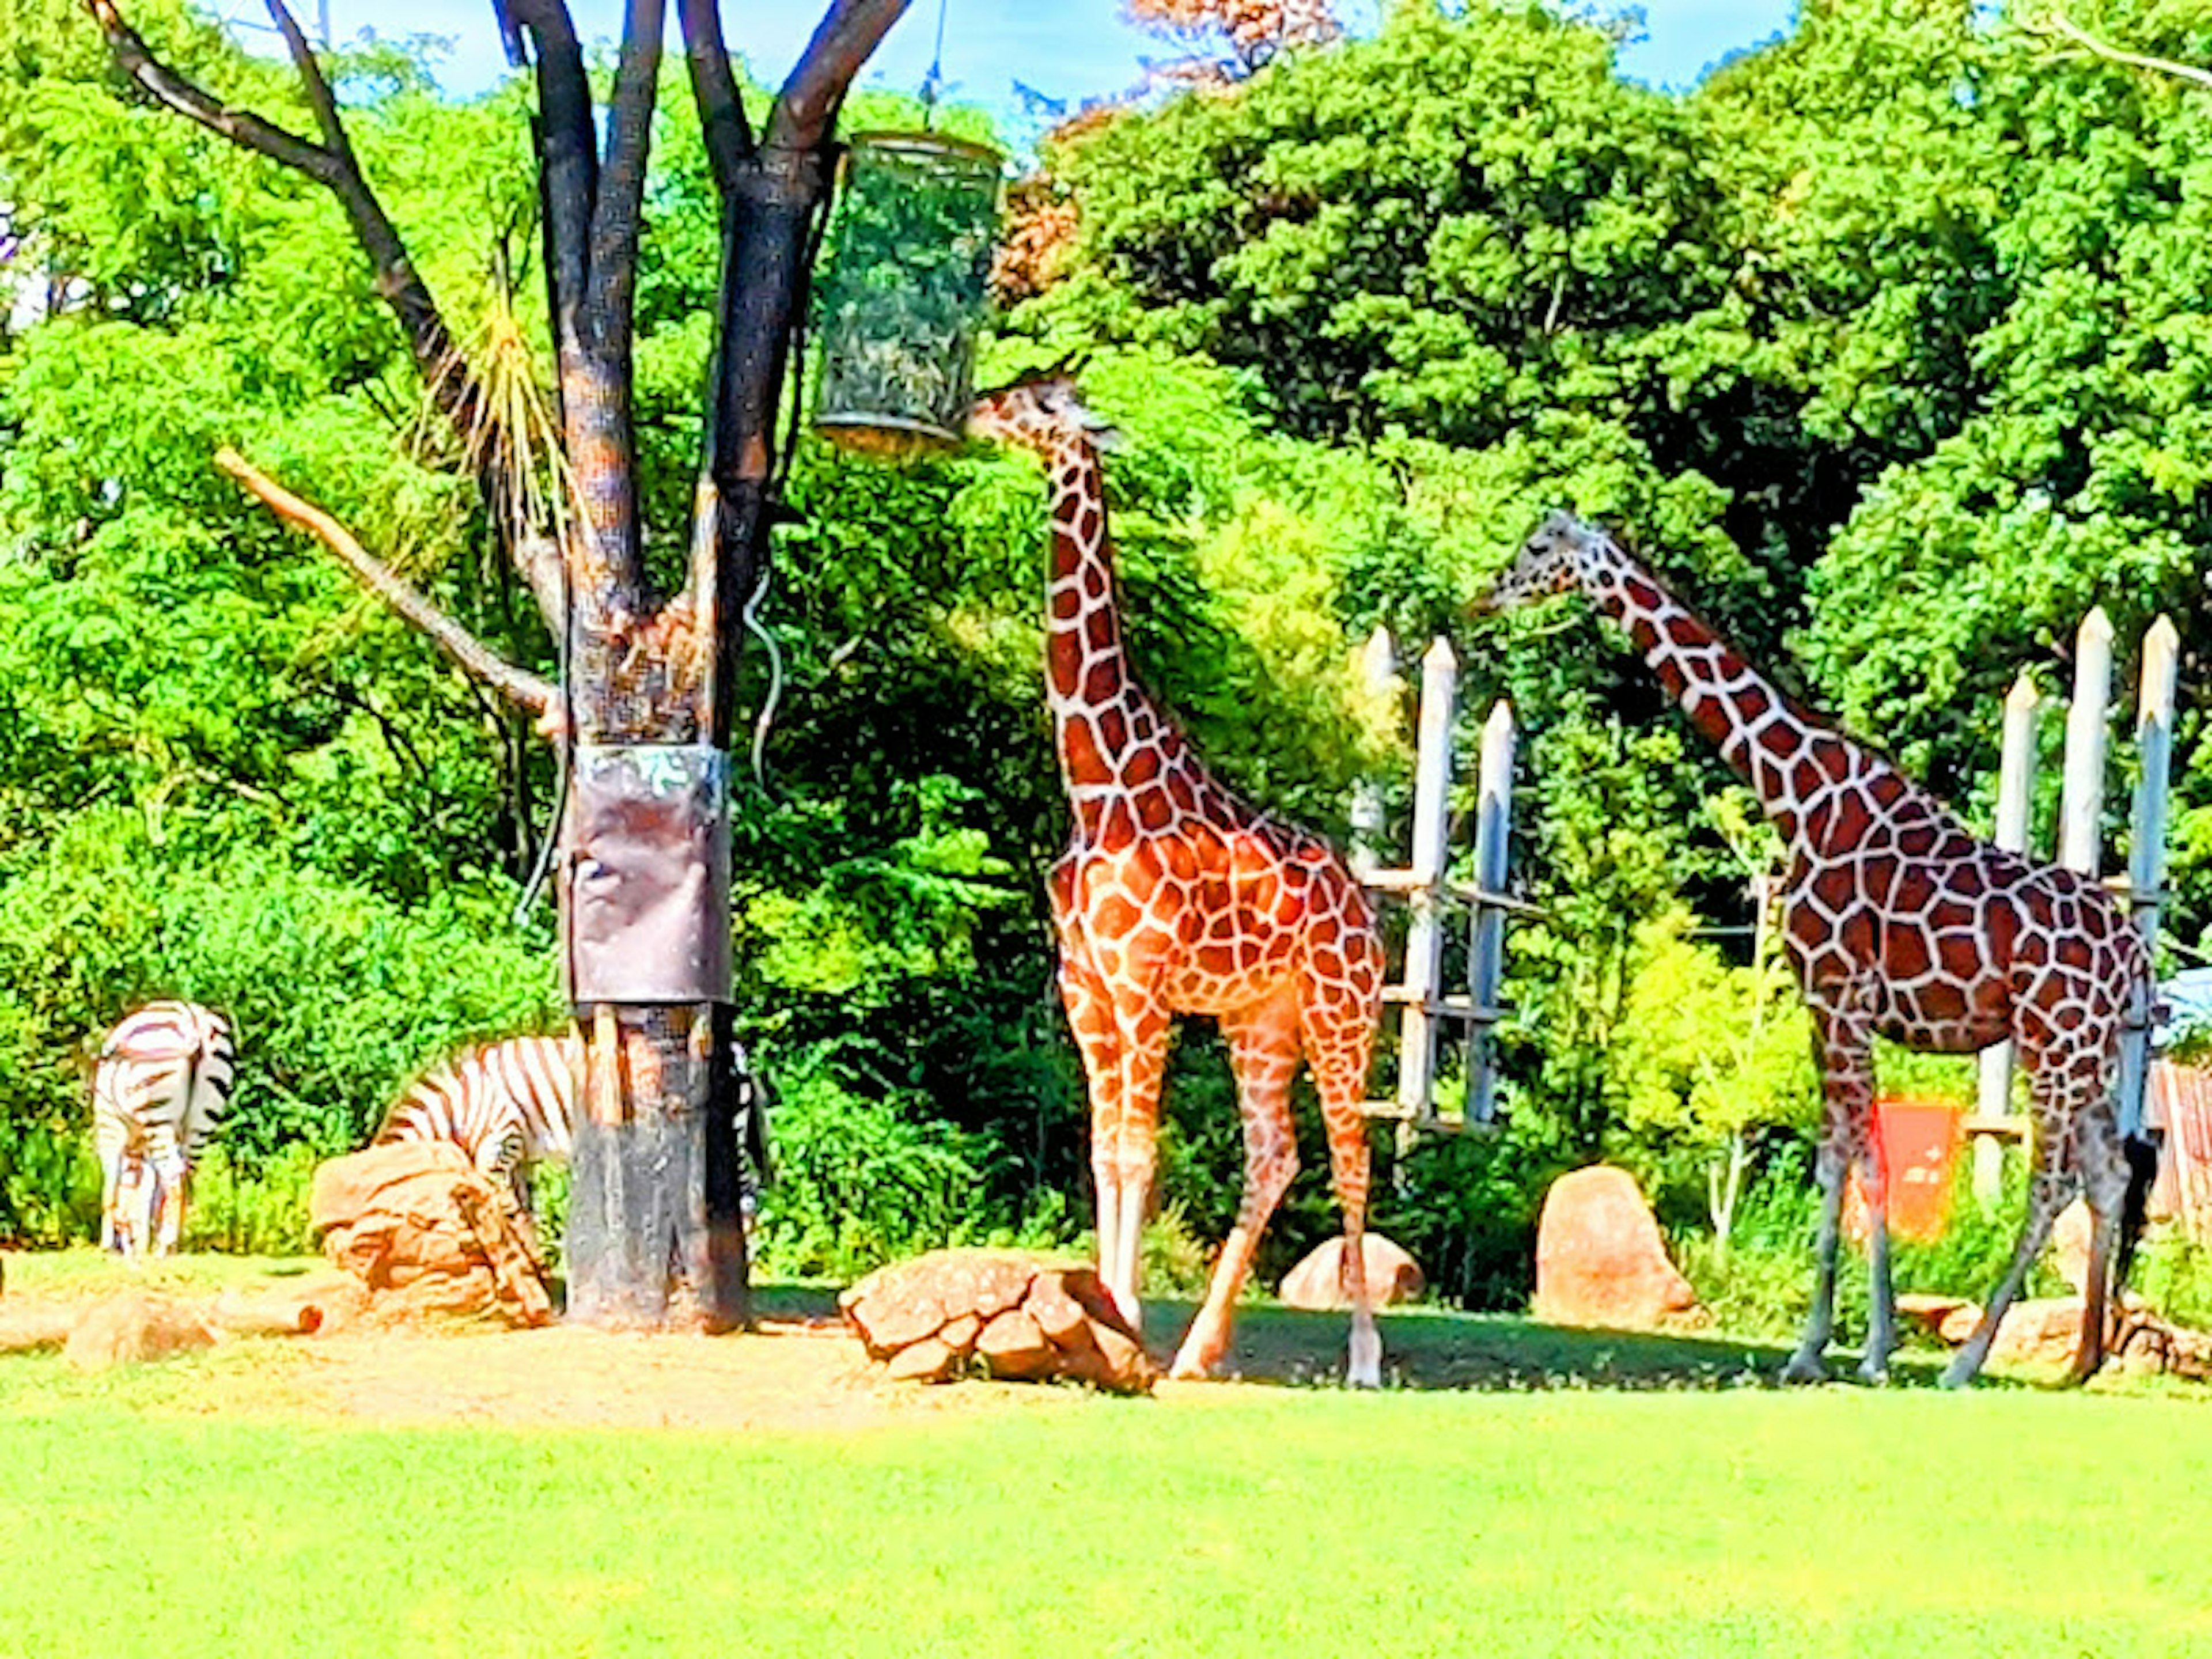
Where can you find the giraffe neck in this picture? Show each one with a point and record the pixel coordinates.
(1100, 716)
(1788, 758)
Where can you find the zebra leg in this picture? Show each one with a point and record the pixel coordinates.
(165, 1158)
(111, 1192)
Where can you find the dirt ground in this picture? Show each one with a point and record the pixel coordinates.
(798, 1369)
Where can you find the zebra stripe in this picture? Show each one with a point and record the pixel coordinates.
(164, 1075)
(507, 1105)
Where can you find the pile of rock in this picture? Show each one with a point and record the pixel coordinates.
(424, 1233)
(1007, 1312)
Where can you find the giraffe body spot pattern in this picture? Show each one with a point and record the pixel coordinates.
(1902, 924)
(1176, 897)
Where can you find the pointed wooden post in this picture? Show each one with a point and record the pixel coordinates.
(2081, 806)
(1378, 667)
(1424, 941)
(2015, 792)
(2147, 854)
(1493, 825)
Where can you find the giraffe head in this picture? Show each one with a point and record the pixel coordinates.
(1559, 556)
(1042, 416)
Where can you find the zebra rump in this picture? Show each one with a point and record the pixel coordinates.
(159, 1085)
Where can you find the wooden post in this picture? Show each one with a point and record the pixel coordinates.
(1378, 665)
(2083, 802)
(2015, 793)
(2147, 854)
(1420, 992)
(1493, 825)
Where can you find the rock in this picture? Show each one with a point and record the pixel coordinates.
(926, 1361)
(1025, 1316)
(1600, 1259)
(1956, 1326)
(424, 1233)
(1933, 1313)
(131, 1329)
(1013, 1347)
(2042, 1331)
(1317, 1282)
(2069, 1245)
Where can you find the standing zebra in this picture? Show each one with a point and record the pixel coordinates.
(159, 1088)
(509, 1105)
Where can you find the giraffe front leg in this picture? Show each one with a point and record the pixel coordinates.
(1091, 1019)
(1263, 1049)
(1843, 1044)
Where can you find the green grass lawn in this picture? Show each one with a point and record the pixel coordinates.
(1693, 1516)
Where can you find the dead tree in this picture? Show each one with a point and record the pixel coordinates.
(645, 712)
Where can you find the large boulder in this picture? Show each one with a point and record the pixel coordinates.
(424, 1233)
(133, 1328)
(1317, 1282)
(1009, 1314)
(1600, 1261)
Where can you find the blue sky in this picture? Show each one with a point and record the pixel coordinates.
(1067, 49)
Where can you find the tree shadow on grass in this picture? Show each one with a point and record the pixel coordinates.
(1438, 1349)
(1441, 1349)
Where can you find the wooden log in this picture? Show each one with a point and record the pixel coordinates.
(279, 1313)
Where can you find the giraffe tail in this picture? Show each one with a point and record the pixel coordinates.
(2143, 1149)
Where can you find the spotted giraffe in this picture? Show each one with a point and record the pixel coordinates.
(1900, 922)
(1175, 897)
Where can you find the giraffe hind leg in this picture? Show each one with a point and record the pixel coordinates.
(2054, 1177)
(1263, 1049)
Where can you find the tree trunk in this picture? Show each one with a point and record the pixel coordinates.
(655, 1233)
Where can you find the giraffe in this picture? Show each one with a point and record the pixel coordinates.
(1176, 897)
(1900, 922)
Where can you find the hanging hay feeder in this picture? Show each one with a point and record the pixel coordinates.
(904, 291)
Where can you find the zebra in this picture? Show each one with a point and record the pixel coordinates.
(510, 1105)
(162, 1078)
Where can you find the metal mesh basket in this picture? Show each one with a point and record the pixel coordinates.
(904, 291)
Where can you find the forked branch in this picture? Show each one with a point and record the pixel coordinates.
(541, 696)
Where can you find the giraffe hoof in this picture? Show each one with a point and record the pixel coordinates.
(1957, 1375)
(1874, 1373)
(1192, 1364)
(1802, 1371)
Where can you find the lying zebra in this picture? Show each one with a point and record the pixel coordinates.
(511, 1105)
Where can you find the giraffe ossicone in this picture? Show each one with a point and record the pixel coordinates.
(1174, 897)
(1901, 923)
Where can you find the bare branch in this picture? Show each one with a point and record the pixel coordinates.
(168, 88)
(848, 32)
(568, 160)
(331, 164)
(542, 698)
(728, 134)
(2057, 23)
(615, 215)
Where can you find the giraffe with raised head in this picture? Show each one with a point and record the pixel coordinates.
(1900, 922)
(1176, 897)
